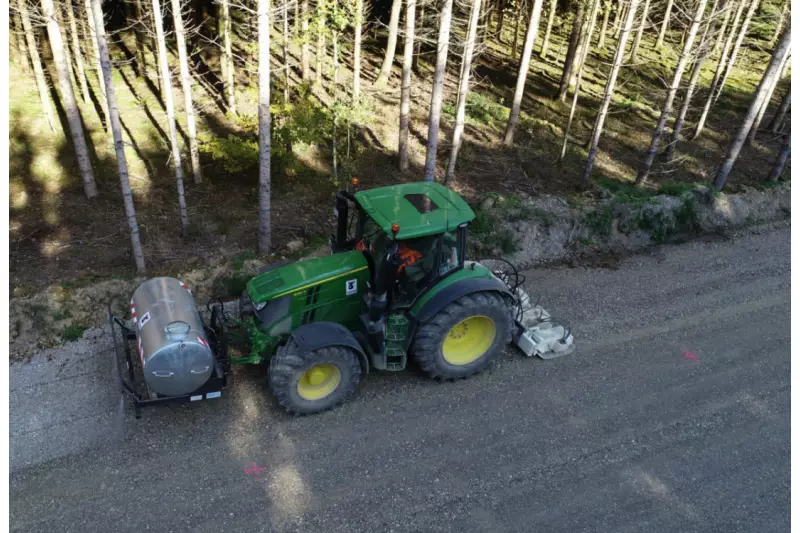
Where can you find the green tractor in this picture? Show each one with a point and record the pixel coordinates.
(396, 285)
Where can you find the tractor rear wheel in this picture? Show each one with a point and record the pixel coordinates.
(464, 337)
(310, 382)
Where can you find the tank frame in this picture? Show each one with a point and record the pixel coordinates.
(129, 368)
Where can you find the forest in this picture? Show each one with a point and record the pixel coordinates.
(151, 135)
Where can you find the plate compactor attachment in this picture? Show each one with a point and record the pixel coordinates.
(535, 331)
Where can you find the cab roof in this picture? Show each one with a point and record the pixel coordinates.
(420, 209)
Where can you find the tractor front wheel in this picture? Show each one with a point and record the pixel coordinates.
(310, 382)
(464, 337)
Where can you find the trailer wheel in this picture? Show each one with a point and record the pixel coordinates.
(313, 381)
(463, 338)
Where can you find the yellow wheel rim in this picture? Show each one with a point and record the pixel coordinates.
(468, 340)
(318, 382)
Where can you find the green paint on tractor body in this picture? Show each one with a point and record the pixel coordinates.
(376, 280)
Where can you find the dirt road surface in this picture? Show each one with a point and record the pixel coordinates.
(672, 415)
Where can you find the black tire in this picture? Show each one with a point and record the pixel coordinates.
(288, 366)
(429, 339)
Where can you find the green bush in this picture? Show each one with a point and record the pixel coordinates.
(72, 332)
(600, 221)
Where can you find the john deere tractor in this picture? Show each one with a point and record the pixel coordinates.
(396, 285)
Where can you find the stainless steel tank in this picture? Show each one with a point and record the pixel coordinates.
(176, 356)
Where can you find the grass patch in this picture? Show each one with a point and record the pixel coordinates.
(479, 109)
(675, 189)
(507, 242)
(600, 222)
(239, 260)
(483, 223)
(72, 332)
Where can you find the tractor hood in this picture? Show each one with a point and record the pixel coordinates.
(304, 274)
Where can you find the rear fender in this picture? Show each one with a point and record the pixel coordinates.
(316, 335)
(453, 292)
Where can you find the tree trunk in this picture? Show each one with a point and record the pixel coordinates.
(581, 63)
(101, 82)
(166, 84)
(601, 42)
(702, 55)
(36, 61)
(417, 38)
(438, 90)
(116, 130)
(388, 58)
(264, 140)
(186, 85)
(673, 90)
(68, 99)
(760, 116)
(230, 70)
(522, 76)
(320, 56)
(779, 25)
(335, 43)
(576, 36)
(304, 50)
(777, 120)
(664, 24)
(773, 70)
(723, 58)
(780, 161)
(141, 50)
(551, 15)
(514, 47)
(609, 90)
(76, 49)
(622, 11)
(405, 87)
(733, 6)
(357, 51)
(65, 39)
(285, 49)
(463, 89)
(737, 45)
(638, 39)
(500, 14)
(20, 48)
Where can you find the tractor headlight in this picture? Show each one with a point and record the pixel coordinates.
(260, 305)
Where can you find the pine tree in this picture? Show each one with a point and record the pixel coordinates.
(116, 129)
(773, 70)
(166, 84)
(463, 89)
(522, 76)
(405, 87)
(264, 138)
(597, 131)
(551, 16)
(391, 45)
(36, 62)
(186, 85)
(662, 33)
(435, 111)
(673, 90)
(68, 99)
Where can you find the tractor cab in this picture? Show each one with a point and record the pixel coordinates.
(412, 236)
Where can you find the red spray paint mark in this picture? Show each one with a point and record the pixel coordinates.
(255, 470)
(690, 355)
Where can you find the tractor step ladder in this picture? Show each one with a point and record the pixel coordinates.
(397, 326)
